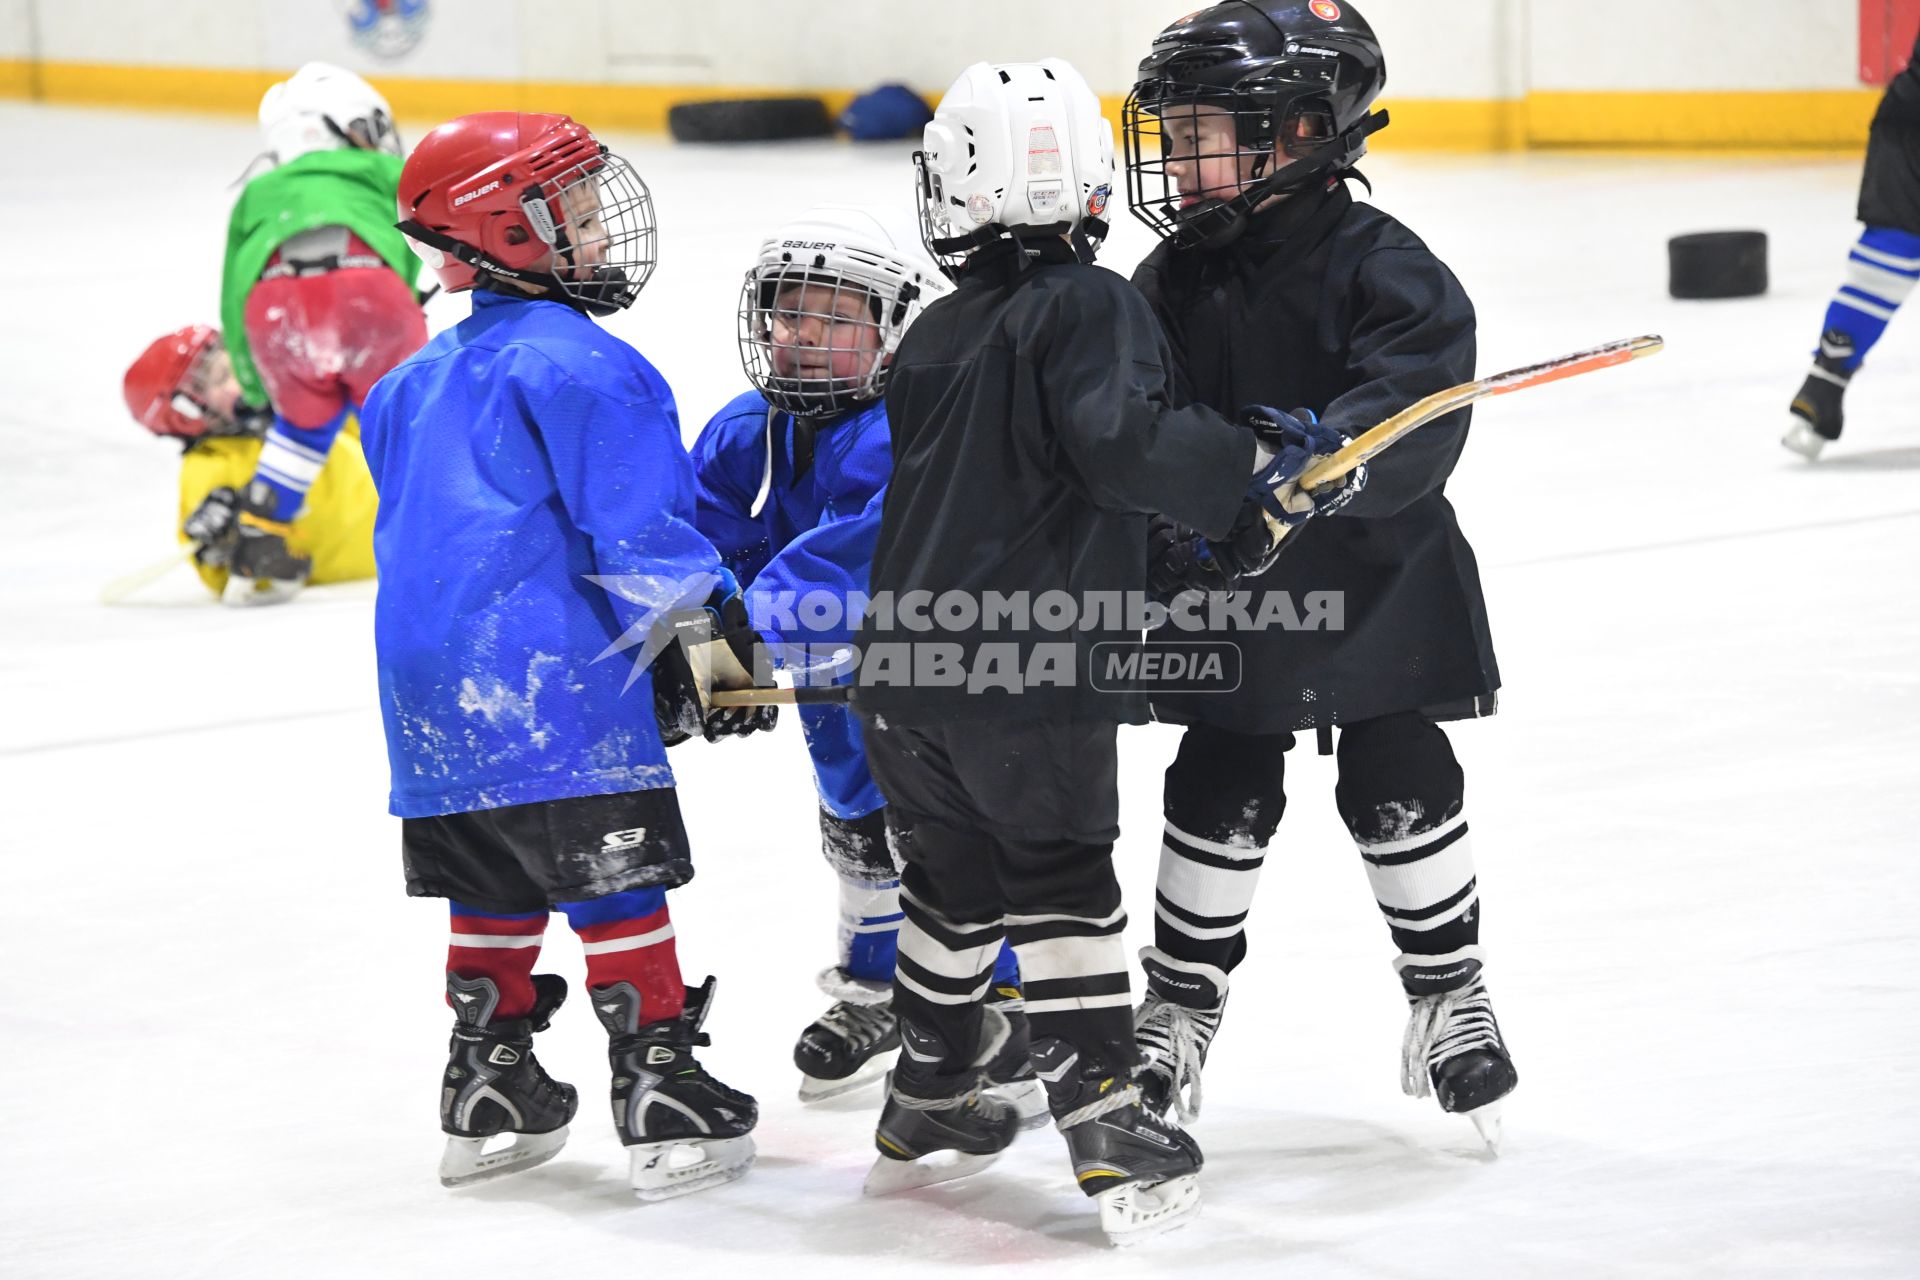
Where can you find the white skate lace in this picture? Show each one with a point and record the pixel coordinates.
(1118, 1100)
(1442, 1027)
(1175, 1039)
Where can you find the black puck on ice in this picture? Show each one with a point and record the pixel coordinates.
(749, 120)
(1717, 264)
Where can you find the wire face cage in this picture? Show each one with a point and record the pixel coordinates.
(1190, 149)
(598, 219)
(818, 325)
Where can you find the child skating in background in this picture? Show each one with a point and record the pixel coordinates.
(317, 296)
(182, 388)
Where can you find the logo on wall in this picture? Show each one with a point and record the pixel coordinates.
(386, 28)
(1326, 9)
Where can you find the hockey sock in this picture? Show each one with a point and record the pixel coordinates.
(856, 849)
(628, 937)
(291, 459)
(1076, 983)
(870, 919)
(1401, 794)
(942, 974)
(1881, 272)
(1006, 967)
(1223, 802)
(501, 948)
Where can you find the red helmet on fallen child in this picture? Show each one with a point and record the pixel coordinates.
(515, 196)
(155, 389)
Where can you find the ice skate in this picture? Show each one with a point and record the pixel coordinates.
(1142, 1172)
(499, 1108)
(684, 1131)
(1010, 1076)
(1816, 411)
(852, 1043)
(1453, 1050)
(937, 1127)
(1174, 1026)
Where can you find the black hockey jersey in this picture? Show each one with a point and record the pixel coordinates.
(1033, 429)
(1333, 306)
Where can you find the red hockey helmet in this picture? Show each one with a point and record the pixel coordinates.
(530, 198)
(160, 385)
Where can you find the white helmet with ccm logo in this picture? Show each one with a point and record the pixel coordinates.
(1017, 148)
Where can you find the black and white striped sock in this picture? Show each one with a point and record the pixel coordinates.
(1073, 970)
(1203, 896)
(1424, 883)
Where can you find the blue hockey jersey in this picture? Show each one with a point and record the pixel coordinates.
(806, 526)
(793, 506)
(518, 455)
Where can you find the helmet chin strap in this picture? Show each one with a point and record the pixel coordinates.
(1217, 226)
(605, 279)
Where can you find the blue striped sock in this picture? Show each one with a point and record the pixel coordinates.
(1881, 272)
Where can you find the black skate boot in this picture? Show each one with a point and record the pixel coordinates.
(684, 1131)
(495, 1089)
(1174, 1027)
(1143, 1172)
(936, 1126)
(1453, 1050)
(1010, 1077)
(1816, 410)
(852, 1042)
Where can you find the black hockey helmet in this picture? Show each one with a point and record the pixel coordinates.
(1298, 78)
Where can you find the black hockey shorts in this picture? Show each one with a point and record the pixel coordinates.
(1003, 817)
(532, 857)
(1890, 187)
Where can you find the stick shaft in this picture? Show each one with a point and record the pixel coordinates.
(805, 696)
(122, 587)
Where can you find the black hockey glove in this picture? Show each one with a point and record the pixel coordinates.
(744, 643)
(214, 524)
(728, 660)
(1297, 440)
(260, 550)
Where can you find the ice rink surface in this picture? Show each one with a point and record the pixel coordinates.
(1695, 814)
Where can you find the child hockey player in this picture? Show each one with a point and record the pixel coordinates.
(1031, 431)
(526, 460)
(182, 388)
(1881, 270)
(790, 482)
(317, 299)
(1275, 286)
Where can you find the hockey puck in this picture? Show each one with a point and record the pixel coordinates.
(749, 120)
(1717, 264)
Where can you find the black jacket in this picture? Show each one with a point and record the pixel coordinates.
(1331, 305)
(1032, 431)
(1890, 184)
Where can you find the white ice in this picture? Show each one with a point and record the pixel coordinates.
(1695, 813)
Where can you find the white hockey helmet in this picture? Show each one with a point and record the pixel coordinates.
(826, 303)
(324, 108)
(1015, 145)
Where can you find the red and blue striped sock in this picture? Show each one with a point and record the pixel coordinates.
(502, 948)
(628, 937)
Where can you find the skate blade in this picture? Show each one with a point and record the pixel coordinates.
(664, 1170)
(1028, 1100)
(467, 1160)
(1487, 1120)
(1804, 440)
(814, 1089)
(1139, 1211)
(889, 1175)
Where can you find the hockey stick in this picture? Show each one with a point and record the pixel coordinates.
(1377, 440)
(120, 588)
(1371, 444)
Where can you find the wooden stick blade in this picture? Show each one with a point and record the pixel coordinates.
(1614, 353)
